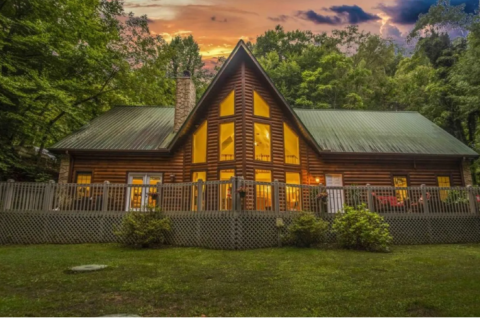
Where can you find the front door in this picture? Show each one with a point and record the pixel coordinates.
(335, 194)
(141, 190)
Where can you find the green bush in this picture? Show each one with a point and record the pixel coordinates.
(361, 229)
(144, 229)
(306, 230)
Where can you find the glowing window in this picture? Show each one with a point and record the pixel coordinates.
(226, 189)
(200, 144)
(260, 107)
(292, 147)
(263, 191)
(262, 142)
(83, 178)
(227, 141)
(227, 106)
(293, 193)
(400, 182)
(196, 176)
(443, 182)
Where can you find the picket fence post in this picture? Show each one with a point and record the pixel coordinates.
(7, 205)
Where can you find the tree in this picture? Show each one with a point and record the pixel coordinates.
(63, 63)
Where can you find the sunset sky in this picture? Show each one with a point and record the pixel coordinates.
(217, 25)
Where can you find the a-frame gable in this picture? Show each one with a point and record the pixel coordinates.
(241, 54)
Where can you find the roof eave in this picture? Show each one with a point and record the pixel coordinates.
(402, 154)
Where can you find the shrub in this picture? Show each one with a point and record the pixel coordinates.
(144, 229)
(306, 230)
(361, 229)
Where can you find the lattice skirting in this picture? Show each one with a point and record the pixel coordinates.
(220, 230)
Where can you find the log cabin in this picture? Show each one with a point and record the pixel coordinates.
(242, 126)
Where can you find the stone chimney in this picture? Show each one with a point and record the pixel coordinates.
(185, 101)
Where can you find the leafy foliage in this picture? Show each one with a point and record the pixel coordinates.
(144, 229)
(306, 230)
(358, 228)
(66, 62)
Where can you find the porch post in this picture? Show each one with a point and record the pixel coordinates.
(370, 198)
(48, 195)
(233, 193)
(239, 199)
(276, 196)
(321, 189)
(105, 195)
(425, 199)
(159, 195)
(472, 199)
(199, 195)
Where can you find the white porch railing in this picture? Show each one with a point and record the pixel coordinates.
(223, 196)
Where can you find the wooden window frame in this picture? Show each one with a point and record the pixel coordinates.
(220, 123)
(271, 137)
(234, 90)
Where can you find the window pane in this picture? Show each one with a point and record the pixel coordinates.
(263, 192)
(200, 144)
(293, 193)
(262, 142)
(136, 193)
(292, 148)
(152, 191)
(227, 107)
(196, 176)
(83, 178)
(227, 141)
(226, 189)
(260, 107)
(400, 182)
(443, 182)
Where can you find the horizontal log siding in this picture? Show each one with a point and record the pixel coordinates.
(115, 169)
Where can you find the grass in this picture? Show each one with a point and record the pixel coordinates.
(441, 280)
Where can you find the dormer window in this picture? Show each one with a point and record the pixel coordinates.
(199, 144)
(227, 106)
(260, 107)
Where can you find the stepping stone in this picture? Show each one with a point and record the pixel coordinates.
(88, 268)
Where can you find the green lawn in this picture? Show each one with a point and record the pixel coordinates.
(442, 280)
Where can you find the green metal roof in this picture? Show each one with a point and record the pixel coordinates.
(144, 128)
(124, 128)
(379, 132)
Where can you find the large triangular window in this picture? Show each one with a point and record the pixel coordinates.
(260, 106)
(227, 106)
